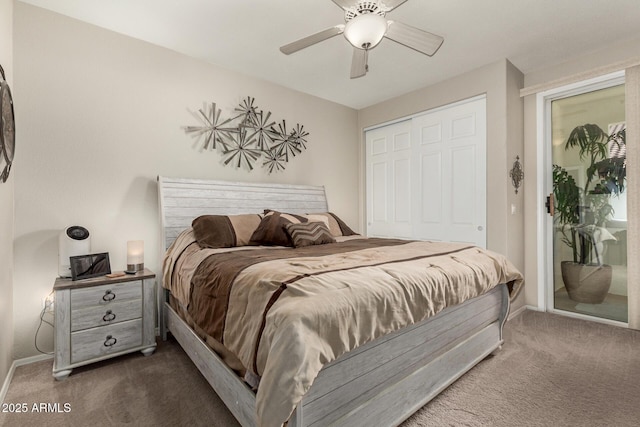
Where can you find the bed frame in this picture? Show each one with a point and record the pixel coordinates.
(380, 383)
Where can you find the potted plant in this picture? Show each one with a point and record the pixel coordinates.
(581, 214)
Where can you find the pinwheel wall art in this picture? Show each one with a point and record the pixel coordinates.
(249, 136)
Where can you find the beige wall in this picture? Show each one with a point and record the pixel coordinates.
(6, 208)
(501, 82)
(101, 115)
(515, 147)
(534, 189)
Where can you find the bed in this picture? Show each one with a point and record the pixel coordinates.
(293, 341)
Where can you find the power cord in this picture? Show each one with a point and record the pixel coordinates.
(47, 305)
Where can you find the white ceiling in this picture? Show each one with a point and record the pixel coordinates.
(244, 35)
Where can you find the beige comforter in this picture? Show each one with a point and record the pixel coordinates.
(285, 318)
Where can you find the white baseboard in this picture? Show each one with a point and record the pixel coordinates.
(7, 381)
(12, 369)
(27, 361)
(521, 310)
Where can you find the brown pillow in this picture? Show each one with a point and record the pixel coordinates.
(271, 230)
(224, 231)
(309, 233)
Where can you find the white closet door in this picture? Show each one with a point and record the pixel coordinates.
(426, 176)
(450, 174)
(389, 197)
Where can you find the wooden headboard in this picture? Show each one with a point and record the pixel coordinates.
(181, 200)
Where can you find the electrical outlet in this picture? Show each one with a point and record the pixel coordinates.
(47, 303)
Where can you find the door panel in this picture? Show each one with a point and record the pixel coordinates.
(431, 196)
(389, 196)
(402, 190)
(453, 205)
(463, 187)
(379, 198)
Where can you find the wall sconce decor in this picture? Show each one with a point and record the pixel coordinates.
(516, 174)
(249, 135)
(135, 256)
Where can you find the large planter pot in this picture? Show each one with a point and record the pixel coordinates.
(587, 283)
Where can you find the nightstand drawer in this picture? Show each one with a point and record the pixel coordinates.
(106, 294)
(115, 312)
(103, 340)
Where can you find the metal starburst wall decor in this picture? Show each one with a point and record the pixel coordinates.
(249, 136)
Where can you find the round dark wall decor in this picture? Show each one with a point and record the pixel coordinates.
(7, 128)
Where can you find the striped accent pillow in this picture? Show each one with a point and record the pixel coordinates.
(337, 226)
(309, 233)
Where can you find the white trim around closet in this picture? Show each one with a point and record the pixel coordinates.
(422, 113)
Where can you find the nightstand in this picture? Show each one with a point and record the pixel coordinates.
(101, 317)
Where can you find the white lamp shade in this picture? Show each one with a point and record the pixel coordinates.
(135, 255)
(365, 31)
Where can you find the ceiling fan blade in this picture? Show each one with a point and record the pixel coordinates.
(359, 65)
(389, 5)
(312, 39)
(414, 38)
(345, 4)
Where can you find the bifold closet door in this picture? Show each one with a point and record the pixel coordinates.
(451, 174)
(426, 176)
(389, 174)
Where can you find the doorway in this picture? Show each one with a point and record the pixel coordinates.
(586, 144)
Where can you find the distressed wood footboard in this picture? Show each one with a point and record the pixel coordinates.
(380, 383)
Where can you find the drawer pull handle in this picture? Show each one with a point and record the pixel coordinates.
(108, 296)
(110, 341)
(109, 316)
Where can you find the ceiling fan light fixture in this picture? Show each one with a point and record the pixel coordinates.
(365, 31)
(365, 26)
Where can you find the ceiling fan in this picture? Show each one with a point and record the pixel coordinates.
(365, 26)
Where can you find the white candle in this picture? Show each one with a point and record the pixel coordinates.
(135, 255)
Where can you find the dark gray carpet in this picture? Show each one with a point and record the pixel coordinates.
(552, 371)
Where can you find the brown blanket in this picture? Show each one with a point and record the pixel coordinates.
(285, 313)
(212, 281)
